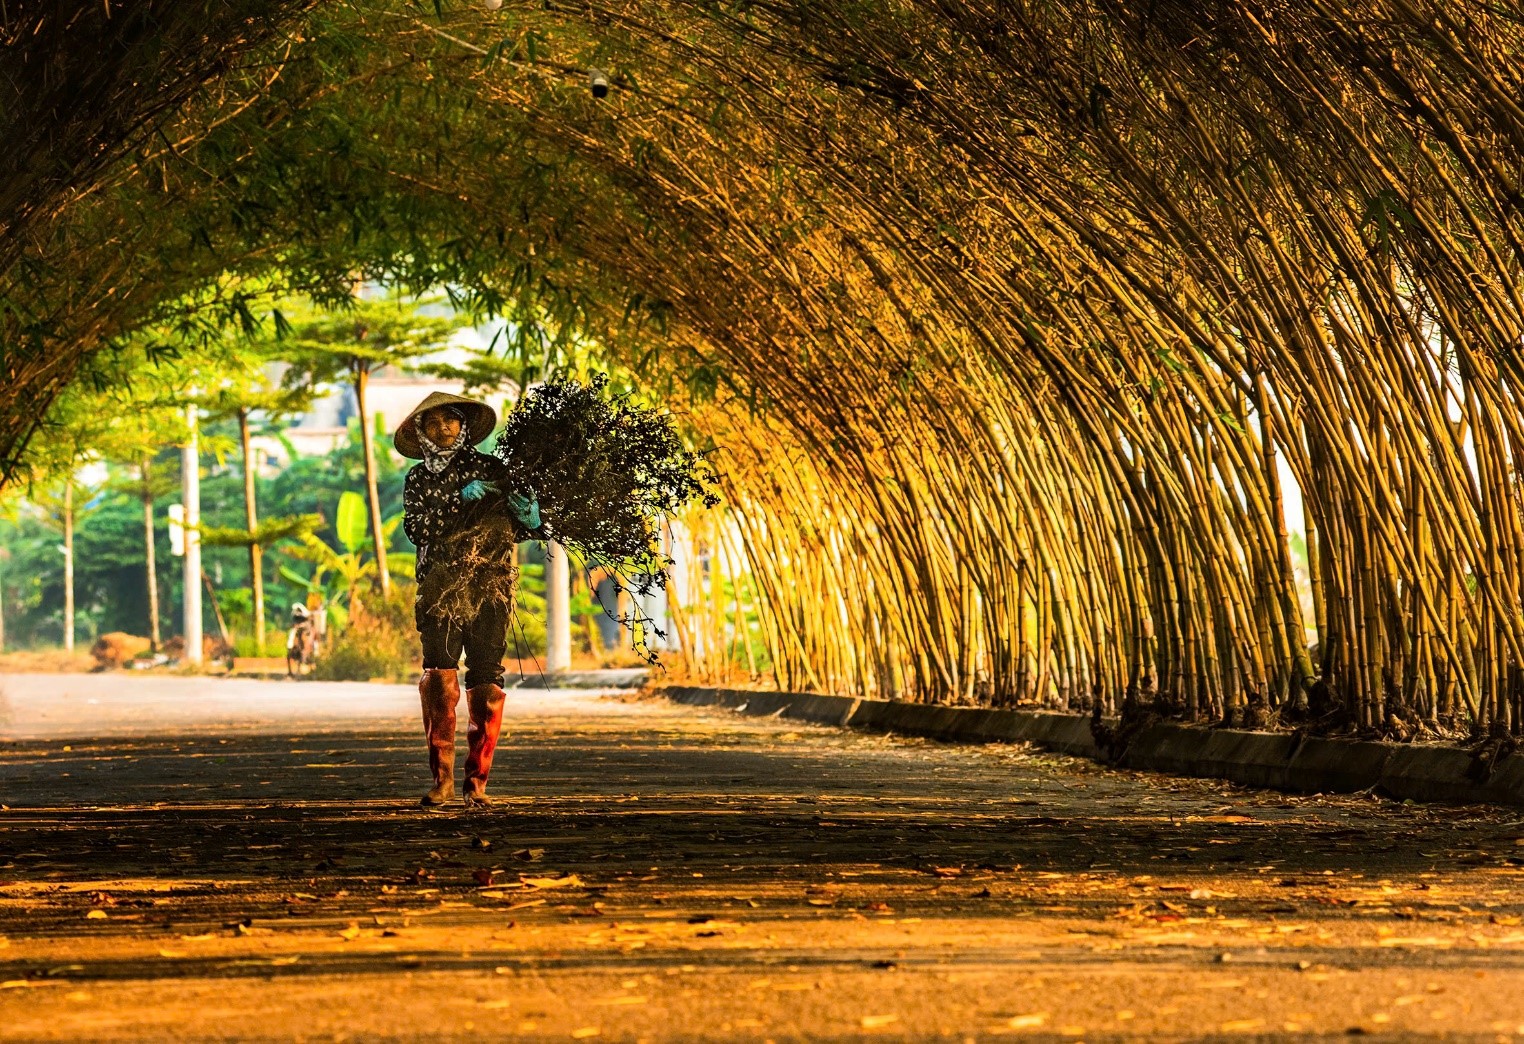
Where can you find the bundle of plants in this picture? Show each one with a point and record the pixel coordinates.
(482, 569)
(606, 473)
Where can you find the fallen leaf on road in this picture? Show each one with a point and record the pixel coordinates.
(569, 881)
(352, 932)
(879, 1021)
(1027, 1021)
(96, 915)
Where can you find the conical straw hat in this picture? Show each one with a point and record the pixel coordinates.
(479, 420)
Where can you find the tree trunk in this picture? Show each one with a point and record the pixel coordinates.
(68, 524)
(148, 547)
(256, 553)
(372, 494)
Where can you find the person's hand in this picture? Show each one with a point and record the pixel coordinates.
(476, 489)
(526, 510)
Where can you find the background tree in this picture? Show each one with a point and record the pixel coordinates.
(242, 393)
(350, 345)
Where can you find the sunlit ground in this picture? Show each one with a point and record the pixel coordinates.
(188, 859)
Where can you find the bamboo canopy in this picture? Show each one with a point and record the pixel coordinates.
(1016, 326)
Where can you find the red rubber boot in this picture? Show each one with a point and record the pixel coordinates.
(439, 692)
(485, 704)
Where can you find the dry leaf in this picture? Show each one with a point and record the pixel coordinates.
(569, 881)
(1242, 1025)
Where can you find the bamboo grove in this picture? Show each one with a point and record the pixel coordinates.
(1019, 329)
(1015, 314)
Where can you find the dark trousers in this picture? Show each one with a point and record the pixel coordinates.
(483, 639)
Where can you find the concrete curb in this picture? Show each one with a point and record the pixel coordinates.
(1276, 760)
(618, 678)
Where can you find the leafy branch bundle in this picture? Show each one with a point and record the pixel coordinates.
(605, 470)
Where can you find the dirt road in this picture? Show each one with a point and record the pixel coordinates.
(194, 860)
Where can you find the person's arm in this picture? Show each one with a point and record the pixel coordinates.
(423, 520)
(489, 476)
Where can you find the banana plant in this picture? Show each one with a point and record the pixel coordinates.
(337, 575)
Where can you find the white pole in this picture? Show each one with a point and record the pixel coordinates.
(190, 479)
(68, 545)
(654, 605)
(557, 609)
(677, 582)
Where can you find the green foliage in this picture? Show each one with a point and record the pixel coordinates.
(379, 642)
(270, 531)
(363, 335)
(526, 632)
(350, 523)
(110, 584)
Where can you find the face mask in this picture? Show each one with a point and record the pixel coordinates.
(435, 458)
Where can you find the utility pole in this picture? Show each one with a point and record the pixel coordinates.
(150, 554)
(653, 604)
(557, 609)
(68, 553)
(5, 556)
(190, 480)
(678, 549)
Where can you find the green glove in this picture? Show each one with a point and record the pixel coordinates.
(525, 509)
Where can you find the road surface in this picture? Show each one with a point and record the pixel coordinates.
(188, 859)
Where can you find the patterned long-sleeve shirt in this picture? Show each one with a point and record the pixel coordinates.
(431, 506)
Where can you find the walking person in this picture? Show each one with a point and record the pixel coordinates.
(452, 489)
